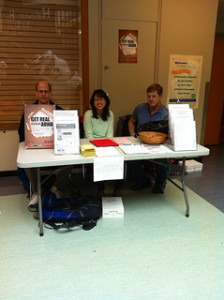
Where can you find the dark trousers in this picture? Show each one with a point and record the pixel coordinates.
(140, 175)
(117, 185)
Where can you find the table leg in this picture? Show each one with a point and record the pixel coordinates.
(184, 188)
(39, 202)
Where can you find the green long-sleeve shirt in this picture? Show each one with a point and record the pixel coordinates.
(97, 128)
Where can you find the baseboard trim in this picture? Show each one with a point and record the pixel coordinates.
(9, 173)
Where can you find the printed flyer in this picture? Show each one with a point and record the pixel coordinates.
(66, 132)
(39, 129)
(184, 79)
(128, 46)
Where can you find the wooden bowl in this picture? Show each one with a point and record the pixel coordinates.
(152, 138)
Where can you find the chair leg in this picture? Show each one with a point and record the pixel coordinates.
(30, 192)
(125, 171)
(83, 171)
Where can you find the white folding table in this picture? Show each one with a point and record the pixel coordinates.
(39, 158)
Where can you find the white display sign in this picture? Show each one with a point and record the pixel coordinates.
(182, 127)
(108, 168)
(66, 132)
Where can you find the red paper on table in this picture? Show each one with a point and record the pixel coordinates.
(104, 143)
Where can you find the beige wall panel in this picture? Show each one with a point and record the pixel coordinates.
(139, 10)
(126, 83)
(94, 45)
(188, 27)
(9, 147)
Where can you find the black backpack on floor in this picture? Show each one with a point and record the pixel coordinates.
(67, 213)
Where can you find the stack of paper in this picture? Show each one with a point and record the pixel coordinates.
(192, 165)
(122, 141)
(107, 152)
(112, 207)
(88, 151)
(142, 149)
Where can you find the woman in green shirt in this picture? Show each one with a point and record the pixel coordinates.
(99, 123)
(99, 120)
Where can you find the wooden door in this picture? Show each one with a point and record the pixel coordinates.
(126, 83)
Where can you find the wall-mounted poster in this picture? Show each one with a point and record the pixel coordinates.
(184, 79)
(39, 129)
(128, 46)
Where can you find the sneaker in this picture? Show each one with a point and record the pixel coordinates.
(140, 186)
(34, 201)
(117, 193)
(158, 189)
(100, 194)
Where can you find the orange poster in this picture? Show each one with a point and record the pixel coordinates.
(128, 46)
(39, 129)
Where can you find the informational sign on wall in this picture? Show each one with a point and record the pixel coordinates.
(184, 79)
(128, 46)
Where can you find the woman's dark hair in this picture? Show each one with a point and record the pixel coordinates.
(100, 94)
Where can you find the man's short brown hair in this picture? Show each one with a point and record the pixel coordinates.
(155, 87)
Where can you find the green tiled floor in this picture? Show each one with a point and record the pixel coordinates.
(155, 252)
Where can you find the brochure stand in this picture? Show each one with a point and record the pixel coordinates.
(66, 132)
(182, 127)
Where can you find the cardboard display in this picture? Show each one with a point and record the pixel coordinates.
(192, 165)
(39, 131)
(113, 207)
